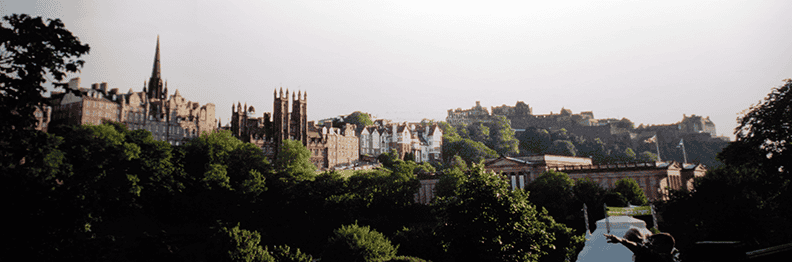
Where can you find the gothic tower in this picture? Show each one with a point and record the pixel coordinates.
(299, 118)
(280, 116)
(238, 119)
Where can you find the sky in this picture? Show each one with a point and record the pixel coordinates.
(649, 61)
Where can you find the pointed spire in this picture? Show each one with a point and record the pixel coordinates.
(155, 73)
(299, 94)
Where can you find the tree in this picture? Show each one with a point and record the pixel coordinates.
(220, 161)
(294, 161)
(479, 132)
(553, 190)
(358, 243)
(593, 195)
(33, 53)
(746, 199)
(486, 221)
(563, 147)
(630, 189)
(469, 150)
(768, 128)
(535, 141)
(647, 156)
(629, 155)
(359, 119)
(235, 244)
(502, 137)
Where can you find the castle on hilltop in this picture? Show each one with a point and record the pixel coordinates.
(168, 118)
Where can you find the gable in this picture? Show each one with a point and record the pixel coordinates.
(503, 162)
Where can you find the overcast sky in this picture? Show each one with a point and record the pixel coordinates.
(408, 60)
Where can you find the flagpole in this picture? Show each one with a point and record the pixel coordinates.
(658, 149)
(585, 216)
(607, 221)
(654, 217)
(684, 154)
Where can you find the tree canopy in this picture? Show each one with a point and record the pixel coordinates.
(747, 199)
(33, 54)
(359, 244)
(485, 221)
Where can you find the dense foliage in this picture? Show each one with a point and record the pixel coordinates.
(358, 244)
(748, 198)
(33, 55)
(485, 221)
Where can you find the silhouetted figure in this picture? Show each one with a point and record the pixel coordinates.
(658, 247)
(635, 235)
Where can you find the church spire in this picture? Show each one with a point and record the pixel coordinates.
(155, 84)
(155, 73)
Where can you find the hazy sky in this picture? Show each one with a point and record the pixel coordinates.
(408, 60)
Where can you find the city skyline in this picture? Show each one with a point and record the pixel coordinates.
(404, 61)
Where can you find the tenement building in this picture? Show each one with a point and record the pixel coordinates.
(330, 147)
(424, 142)
(169, 118)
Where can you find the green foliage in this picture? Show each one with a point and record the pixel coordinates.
(629, 155)
(378, 188)
(535, 141)
(563, 147)
(615, 199)
(359, 118)
(34, 53)
(647, 156)
(358, 243)
(389, 159)
(450, 181)
(593, 195)
(486, 221)
(469, 150)
(294, 161)
(285, 253)
(766, 128)
(631, 191)
(235, 244)
(478, 132)
(553, 191)
(742, 203)
(424, 169)
(747, 199)
(220, 161)
(502, 138)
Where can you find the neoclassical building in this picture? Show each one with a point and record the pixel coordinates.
(653, 177)
(170, 118)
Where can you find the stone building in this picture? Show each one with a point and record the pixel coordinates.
(43, 115)
(467, 116)
(425, 142)
(330, 147)
(653, 177)
(333, 147)
(697, 124)
(268, 131)
(169, 118)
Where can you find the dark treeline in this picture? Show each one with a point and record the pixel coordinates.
(103, 192)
